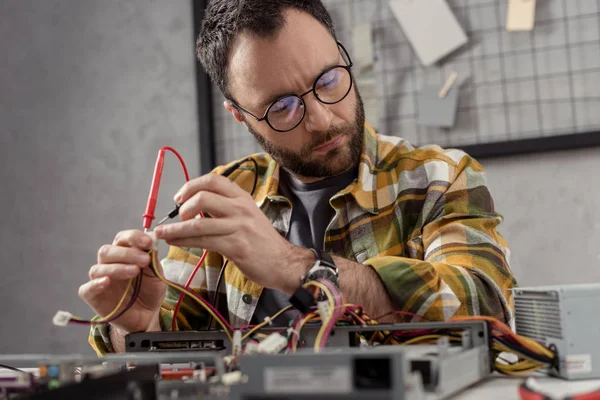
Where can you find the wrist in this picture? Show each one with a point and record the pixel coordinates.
(298, 263)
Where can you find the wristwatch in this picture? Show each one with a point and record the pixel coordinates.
(323, 268)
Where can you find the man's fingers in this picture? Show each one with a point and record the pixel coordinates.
(196, 227)
(133, 238)
(210, 183)
(207, 202)
(89, 290)
(114, 271)
(218, 244)
(109, 254)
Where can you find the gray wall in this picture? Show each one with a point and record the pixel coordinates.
(551, 205)
(89, 91)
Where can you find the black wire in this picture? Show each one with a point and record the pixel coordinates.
(252, 160)
(222, 271)
(216, 296)
(12, 368)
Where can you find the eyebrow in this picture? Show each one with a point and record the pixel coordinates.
(263, 105)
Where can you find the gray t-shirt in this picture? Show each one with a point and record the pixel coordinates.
(311, 214)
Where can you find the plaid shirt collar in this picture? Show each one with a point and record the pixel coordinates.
(364, 190)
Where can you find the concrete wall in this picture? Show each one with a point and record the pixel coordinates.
(89, 92)
(551, 205)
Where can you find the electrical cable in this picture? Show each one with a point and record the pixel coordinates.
(216, 296)
(262, 324)
(187, 285)
(62, 318)
(198, 265)
(13, 369)
(334, 314)
(226, 173)
(115, 313)
(199, 299)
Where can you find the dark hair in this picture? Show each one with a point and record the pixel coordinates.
(225, 19)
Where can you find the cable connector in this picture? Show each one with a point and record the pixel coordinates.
(273, 344)
(251, 348)
(231, 378)
(200, 374)
(237, 343)
(290, 331)
(152, 235)
(62, 318)
(324, 309)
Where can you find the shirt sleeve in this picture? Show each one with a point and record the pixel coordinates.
(190, 316)
(457, 262)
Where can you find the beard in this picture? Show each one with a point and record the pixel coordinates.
(333, 163)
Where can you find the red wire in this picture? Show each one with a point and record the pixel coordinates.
(199, 264)
(187, 286)
(148, 216)
(172, 150)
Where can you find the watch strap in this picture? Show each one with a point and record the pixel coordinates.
(324, 258)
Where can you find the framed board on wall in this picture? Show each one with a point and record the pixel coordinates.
(518, 92)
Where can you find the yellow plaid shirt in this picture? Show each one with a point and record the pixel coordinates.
(423, 218)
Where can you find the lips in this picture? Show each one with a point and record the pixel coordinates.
(330, 145)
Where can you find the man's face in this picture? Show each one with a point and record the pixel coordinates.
(329, 139)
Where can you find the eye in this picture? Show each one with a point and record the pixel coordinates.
(329, 79)
(284, 104)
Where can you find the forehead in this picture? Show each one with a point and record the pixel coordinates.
(285, 63)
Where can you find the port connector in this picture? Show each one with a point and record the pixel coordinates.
(198, 345)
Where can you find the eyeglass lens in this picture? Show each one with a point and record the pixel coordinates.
(331, 87)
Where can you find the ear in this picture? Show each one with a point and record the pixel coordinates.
(234, 111)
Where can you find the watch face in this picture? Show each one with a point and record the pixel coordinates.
(324, 273)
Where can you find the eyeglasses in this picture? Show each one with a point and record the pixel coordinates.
(331, 87)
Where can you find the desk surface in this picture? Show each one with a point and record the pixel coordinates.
(506, 387)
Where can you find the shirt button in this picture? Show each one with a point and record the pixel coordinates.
(247, 299)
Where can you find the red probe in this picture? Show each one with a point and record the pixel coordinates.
(148, 216)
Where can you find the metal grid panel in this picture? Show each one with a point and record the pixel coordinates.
(513, 85)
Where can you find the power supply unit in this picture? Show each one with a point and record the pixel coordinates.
(566, 317)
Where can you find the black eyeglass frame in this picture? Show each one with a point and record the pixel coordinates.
(313, 89)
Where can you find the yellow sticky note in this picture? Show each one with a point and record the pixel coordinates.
(520, 15)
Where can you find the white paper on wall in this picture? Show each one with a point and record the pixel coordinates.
(430, 26)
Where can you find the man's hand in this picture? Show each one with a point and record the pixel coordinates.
(238, 230)
(117, 264)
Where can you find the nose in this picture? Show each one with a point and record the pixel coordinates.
(318, 117)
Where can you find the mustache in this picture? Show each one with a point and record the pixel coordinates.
(324, 138)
